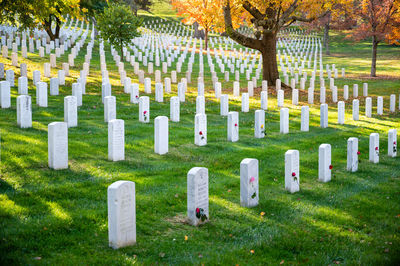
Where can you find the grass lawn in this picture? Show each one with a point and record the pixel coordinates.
(60, 217)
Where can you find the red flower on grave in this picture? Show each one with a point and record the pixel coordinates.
(235, 125)
(394, 143)
(358, 152)
(197, 210)
(376, 148)
(145, 112)
(200, 133)
(293, 174)
(330, 167)
(137, 96)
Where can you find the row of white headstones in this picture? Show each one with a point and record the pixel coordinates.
(121, 194)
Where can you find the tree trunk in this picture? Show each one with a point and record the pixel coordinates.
(47, 28)
(206, 37)
(374, 51)
(326, 38)
(122, 52)
(270, 66)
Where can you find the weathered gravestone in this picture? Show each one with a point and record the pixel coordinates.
(24, 111)
(121, 214)
(197, 196)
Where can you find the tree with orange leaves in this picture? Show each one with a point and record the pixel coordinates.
(207, 13)
(379, 20)
(268, 17)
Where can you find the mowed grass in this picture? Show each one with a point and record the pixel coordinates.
(60, 217)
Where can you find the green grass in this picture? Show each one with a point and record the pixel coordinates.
(61, 216)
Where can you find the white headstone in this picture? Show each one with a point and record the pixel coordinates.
(161, 135)
(10, 77)
(54, 86)
(197, 196)
(233, 126)
(392, 103)
(280, 98)
(159, 97)
(305, 118)
(116, 140)
(392, 143)
(249, 183)
(379, 109)
(245, 102)
(181, 92)
(200, 105)
(71, 111)
(147, 85)
(345, 92)
(236, 88)
(224, 105)
(352, 154)
(341, 112)
(284, 120)
(365, 89)
(77, 92)
(355, 90)
(259, 124)
(58, 145)
(264, 100)
(24, 111)
(5, 94)
(292, 171)
(61, 77)
(374, 147)
(110, 108)
(41, 94)
(144, 109)
(355, 110)
(200, 130)
(324, 163)
(174, 109)
(324, 115)
(121, 205)
(368, 107)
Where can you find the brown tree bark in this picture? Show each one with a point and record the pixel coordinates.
(375, 43)
(206, 38)
(47, 28)
(270, 65)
